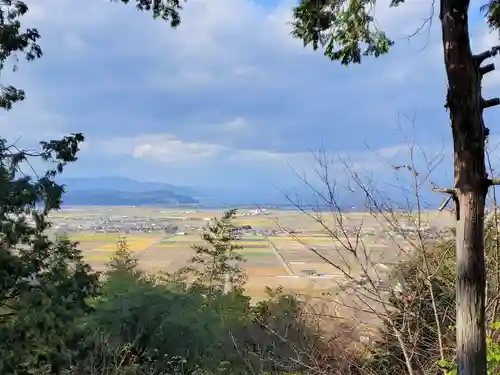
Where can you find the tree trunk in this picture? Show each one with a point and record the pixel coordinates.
(470, 185)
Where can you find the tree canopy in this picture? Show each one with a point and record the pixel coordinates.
(168, 10)
(45, 284)
(348, 30)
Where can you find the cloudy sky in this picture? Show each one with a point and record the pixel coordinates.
(230, 98)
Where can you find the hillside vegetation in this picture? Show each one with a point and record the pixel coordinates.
(57, 316)
(70, 321)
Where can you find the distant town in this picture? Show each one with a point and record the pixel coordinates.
(186, 222)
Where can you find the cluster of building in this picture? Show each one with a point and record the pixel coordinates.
(185, 223)
(180, 225)
(256, 212)
(114, 224)
(402, 229)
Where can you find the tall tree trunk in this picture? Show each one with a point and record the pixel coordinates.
(470, 185)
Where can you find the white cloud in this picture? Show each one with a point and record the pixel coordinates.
(232, 43)
(166, 150)
(215, 42)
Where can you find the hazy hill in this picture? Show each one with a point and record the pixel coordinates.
(125, 184)
(122, 191)
(126, 191)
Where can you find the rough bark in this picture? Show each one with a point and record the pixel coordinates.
(470, 185)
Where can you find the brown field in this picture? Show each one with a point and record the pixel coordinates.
(270, 261)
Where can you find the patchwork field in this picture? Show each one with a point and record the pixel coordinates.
(301, 262)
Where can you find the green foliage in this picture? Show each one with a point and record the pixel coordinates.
(160, 326)
(286, 340)
(492, 354)
(38, 324)
(413, 310)
(15, 41)
(153, 327)
(168, 10)
(160, 321)
(123, 260)
(218, 258)
(44, 283)
(146, 325)
(492, 13)
(347, 29)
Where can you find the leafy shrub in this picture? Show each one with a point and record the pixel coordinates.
(159, 325)
(44, 283)
(413, 309)
(151, 321)
(492, 354)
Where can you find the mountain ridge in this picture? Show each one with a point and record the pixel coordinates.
(124, 184)
(123, 191)
(116, 191)
(104, 191)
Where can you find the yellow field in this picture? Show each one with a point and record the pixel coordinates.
(173, 246)
(255, 271)
(263, 250)
(313, 239)
(108, 237)
(105, 237)
(256, 222)
(186, 246)
(108, 242)
(97, 257)
(133, 245)
(309, 240)
(183, 239)
(253, 243)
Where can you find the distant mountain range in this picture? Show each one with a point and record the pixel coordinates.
(121, 191)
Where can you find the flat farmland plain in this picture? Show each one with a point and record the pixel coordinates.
(280, 248)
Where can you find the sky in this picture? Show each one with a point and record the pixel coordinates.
(230, 98)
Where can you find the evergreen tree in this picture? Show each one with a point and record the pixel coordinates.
(123, 260)
(45, 284)
(216, 261)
